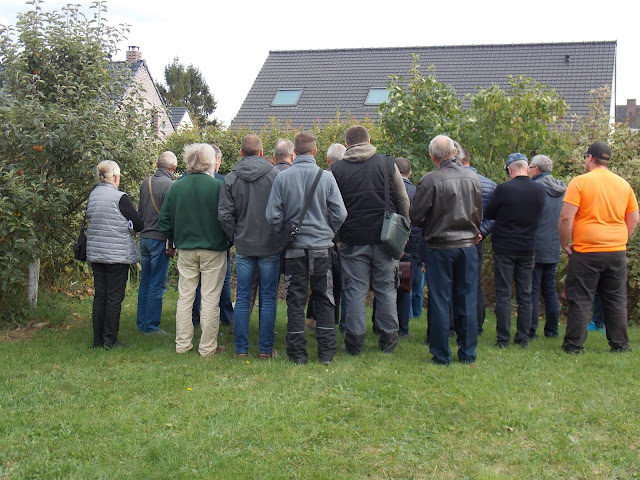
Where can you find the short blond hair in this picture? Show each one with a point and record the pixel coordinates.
(107, 171)
(199, 157)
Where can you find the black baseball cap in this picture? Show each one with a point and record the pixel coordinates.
(599, 150)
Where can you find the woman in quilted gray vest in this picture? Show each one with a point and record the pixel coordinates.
(111, 249)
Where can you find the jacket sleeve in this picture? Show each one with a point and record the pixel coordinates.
(164, 218)
(400, 193)
(226, 210)
(275, 208)
(487, 193)
(492, 208)
(335, 205)
(130, 213)
(422, 203)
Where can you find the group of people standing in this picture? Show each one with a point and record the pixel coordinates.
(322, 229)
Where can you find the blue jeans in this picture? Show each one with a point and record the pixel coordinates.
(417, 291)
(544, 282)
(153, 282)
(598, 316)
(269, 271)
(452, 278)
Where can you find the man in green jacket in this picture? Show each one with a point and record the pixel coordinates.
(188, 218)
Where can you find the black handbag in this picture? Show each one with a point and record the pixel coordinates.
(395, 228)
(290, 229)
(80, 247)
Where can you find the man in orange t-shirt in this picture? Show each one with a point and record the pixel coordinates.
(599, 213)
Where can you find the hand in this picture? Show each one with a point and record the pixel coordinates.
(479, 238)
(568, 249)
(170, 252)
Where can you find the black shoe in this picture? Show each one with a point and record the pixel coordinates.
(502, 345)
(533, 336)
(551, 335)
(620, 349)
(438, 362)
(522, 343)
(118, 344)
(572, 351)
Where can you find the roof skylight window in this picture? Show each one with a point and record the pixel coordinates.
(377, 96)
(286, 98)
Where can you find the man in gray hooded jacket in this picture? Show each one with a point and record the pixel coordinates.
(309, 257)
(241, 211)
(547, 252)
(365, 262)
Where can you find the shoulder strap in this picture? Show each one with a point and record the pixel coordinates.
(387, 186)
(151, 195)
(309, 196)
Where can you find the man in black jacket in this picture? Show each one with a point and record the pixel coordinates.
(448, 207)
(516, 207)
(361, 178)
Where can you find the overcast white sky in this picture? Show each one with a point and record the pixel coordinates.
(230, 40)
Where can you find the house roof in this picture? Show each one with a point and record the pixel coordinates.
(333, 80)
(622, 115)
(177, 115)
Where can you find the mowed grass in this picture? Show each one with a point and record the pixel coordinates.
(69, 411)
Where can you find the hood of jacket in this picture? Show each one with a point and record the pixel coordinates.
(252, 168)
(359, 152)
(555, 187)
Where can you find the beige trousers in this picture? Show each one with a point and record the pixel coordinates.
(209, 267)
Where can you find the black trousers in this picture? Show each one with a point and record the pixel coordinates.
(606, 273)
(109, 283)
(301, 268)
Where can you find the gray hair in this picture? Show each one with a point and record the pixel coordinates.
(335, 152)
(283, 150)
(199, 158)
(217, 150)
(461, 154)
(518, 165)
(543, 163)
(167, 160)
(107, 171)
(441, 147)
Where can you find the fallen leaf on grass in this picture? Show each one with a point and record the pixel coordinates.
(510, 429)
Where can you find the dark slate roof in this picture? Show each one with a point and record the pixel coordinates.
(340, 79)
(621, 115)
(177, 114)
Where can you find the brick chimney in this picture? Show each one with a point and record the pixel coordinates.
(133, 54)
(632, 112)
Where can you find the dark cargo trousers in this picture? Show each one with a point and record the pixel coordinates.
(301, 268)
(606, 273)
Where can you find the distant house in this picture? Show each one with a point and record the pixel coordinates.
(307, 86)
(141, 74)
(628, 113)
(180, 118)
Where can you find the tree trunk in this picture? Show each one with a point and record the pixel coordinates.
(34, 276)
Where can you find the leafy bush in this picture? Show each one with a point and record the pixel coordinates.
(66, 106)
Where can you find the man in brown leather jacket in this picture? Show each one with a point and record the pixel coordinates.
(448, 207)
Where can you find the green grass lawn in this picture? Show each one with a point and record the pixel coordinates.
(69, 411)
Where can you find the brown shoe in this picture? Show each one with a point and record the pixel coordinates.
(241, 356)
(219, 349)
(268, 356)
